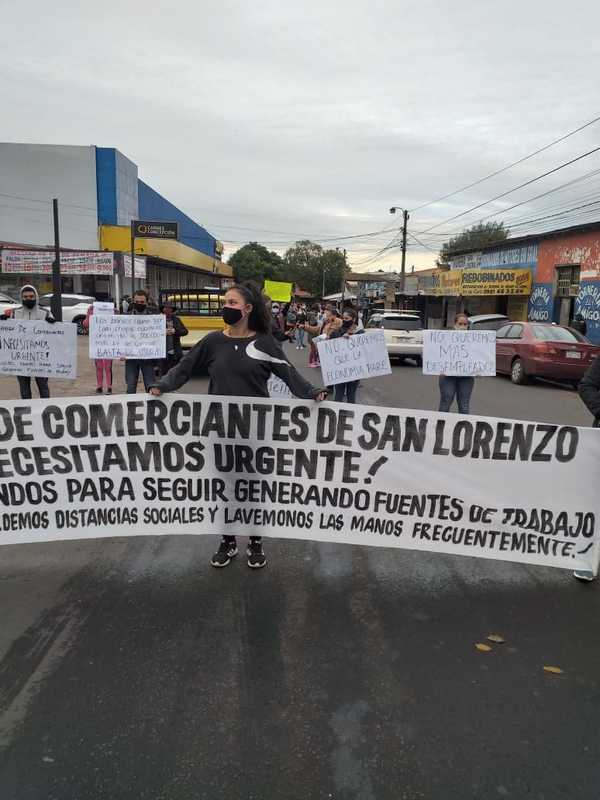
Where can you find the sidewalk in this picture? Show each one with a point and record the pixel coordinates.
(84, 384)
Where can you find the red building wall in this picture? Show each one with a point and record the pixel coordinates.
(577, 248)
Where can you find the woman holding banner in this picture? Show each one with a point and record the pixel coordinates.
(454, 385)
(239, 362)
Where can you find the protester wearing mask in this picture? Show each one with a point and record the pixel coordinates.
(133, 366)
(176, 330)
(239, 362)
(30, 310)
(103, 365)
(454, 385)
(349, 326)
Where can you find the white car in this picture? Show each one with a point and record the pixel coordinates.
(74, 308)
(403, 334)
(7, 303)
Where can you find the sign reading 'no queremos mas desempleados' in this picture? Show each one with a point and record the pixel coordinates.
(354, 358)
(459, 353)
(475, 486)
(38, 349)
(128, 336)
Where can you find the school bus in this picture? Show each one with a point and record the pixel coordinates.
(199, 311)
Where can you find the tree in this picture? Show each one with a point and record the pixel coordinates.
(312, 268)
(478, 236)
(253, 262)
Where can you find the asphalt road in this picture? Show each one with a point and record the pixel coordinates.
(132, 669)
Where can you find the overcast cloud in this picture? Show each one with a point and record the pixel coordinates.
(312, 120)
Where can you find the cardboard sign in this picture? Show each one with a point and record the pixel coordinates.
(354, 358)
(137, 336)
(38, 349)
(459, 353)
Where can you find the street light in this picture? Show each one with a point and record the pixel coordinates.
(405, 217)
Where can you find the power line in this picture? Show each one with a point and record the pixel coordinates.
(509, 166)
(514, 189)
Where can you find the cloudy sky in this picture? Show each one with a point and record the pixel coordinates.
(274, 121)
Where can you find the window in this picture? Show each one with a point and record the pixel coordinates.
(555, 333)
(503, 331)
(567, 281)
(402, 324)
(515, 332)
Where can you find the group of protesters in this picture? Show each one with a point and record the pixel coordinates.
(240, 359)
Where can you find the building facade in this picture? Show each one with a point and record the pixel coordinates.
(99, 193)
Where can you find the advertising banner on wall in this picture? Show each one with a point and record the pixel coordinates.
(495, 282)
(541, 302)
(588, 305)
(39, 262)
(386, 477)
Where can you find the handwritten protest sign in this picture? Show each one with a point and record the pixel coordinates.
(279, 389)
(354, 358)
(103, 308)
(128, 336)
(443, 483)
(38, 349)
(459, 353)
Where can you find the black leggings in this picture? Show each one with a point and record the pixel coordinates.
(347, 391)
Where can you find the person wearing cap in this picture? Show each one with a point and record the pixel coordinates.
(176, 330)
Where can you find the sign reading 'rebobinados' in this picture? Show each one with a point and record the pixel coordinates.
(142, 229)
(91, 467)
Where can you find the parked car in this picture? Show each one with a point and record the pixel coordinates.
(403, 333)
(542, 350)
(487, 322)
(7, 302)
(74, 308)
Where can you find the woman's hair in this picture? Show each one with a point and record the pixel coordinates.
(259, 319)
(461, 315)
(351, 313)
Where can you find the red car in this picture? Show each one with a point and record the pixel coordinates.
(541, 350)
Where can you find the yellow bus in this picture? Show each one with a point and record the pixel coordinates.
(199, 311)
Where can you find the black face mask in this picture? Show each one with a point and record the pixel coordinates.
(347, 323)
(140, 306)
(231, 315)
(29, 303)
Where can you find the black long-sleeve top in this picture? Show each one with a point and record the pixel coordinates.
(238, 367)
(589, 388)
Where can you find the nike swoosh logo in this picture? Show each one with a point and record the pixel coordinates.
(253, 352)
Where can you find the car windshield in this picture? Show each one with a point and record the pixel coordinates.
(401, 324)
(554, 333)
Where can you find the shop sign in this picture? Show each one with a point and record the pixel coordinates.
(588, 305)
(495, 282)
(541, 303)
(140, 266)
(154, 230)
(39, 262)
(446, 284)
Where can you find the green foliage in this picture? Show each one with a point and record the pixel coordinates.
(253, 262)
(309, 266)
(478, 236)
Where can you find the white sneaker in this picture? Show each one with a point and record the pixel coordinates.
(583, 575)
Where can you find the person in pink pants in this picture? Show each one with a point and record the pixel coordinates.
(103, 365)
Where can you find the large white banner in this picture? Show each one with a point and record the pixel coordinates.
(39, 262)
(353, 358)
(38, 349)
(128, 336)
(465, 485)
(459, 353)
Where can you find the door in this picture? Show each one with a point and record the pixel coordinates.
(502, 349)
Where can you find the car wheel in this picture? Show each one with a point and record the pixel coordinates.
(81, 331)
(517, 372)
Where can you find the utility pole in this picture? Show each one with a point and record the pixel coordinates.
(56, 305)
(132, 260)
(405, 218)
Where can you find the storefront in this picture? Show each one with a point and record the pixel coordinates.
(568, 279)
